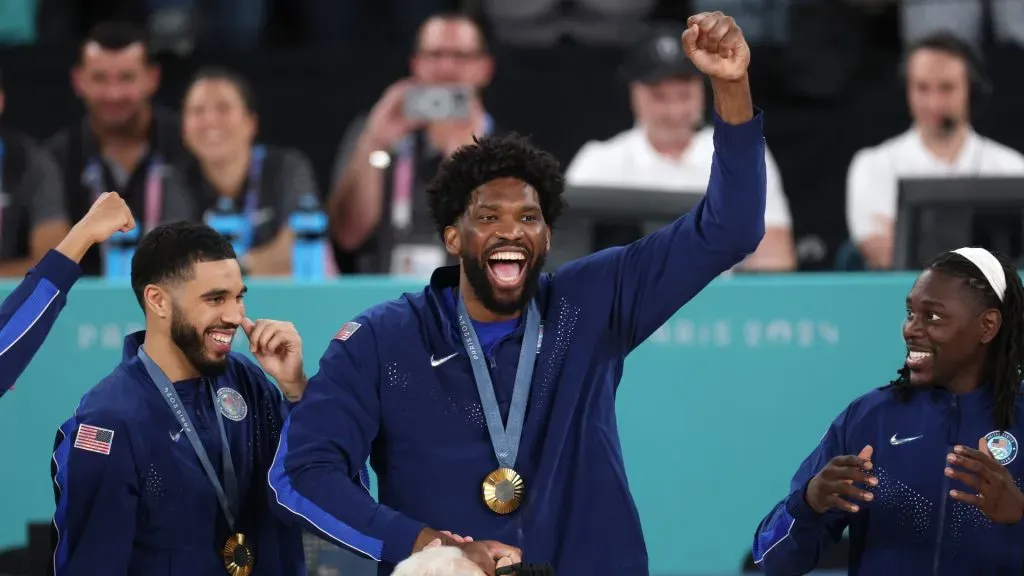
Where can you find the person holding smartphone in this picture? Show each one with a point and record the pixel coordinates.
(377, 207)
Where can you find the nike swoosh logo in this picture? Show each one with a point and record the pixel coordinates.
(174, 437)
(435, 362)
(897, 441)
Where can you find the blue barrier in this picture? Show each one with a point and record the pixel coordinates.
(716, 409)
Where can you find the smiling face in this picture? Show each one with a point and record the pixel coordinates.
(502, 241)
(205, 314)
(115, 85)
(217, 124)
(947, 331)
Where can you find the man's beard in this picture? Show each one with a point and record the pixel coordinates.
(476, 274)
(191, 343)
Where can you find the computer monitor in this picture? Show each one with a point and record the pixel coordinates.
(935, 215)
(618, 216)
(640, 204)
(602, 216)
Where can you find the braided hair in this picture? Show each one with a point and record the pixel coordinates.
(1006, 351)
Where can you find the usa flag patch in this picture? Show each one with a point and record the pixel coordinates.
(347, 330)
(94, 439)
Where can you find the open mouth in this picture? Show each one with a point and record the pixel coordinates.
(918, 359)
(506, 267)
(219, 341)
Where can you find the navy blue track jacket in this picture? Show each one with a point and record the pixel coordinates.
(913, 526)
(131, 496)
(29, 312)
(396, 386)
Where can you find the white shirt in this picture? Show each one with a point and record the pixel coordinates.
(871, 183)
(629, 160)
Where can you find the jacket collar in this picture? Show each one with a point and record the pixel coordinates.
(445, 280)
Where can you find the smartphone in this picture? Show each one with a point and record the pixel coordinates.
(439, 102)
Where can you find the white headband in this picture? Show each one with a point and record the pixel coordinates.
(989, 266)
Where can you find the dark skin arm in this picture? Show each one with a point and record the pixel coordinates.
(995, 492)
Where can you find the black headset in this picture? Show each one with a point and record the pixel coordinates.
(980, 84)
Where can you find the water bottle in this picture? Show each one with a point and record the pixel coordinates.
(117, 258)
(309, 251)
(230, 223)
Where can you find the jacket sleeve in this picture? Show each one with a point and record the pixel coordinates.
(28, 313)
(655, 276)
(96, 495)
(792, 537)
(318, 474)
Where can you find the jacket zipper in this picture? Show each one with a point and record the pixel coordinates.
(953, 431)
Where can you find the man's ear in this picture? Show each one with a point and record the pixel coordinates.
(452, 242)
(157, 301)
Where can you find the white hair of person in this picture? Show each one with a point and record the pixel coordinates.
(438, 561)
(989, 266)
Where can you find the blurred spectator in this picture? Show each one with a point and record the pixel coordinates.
(124, 142)
(946, 87)
(32, 214)
(671, 147)
(968, 19)
(385, 160)
(544, 23)
(232, 174)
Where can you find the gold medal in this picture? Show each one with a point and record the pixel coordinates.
(504, 490)
(238, 558)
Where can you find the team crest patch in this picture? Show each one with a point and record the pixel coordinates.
(231, 404)
(1002, 446)
(347, 331)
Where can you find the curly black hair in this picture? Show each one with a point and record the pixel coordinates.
(487, 159)
(1006, 351)
(169, 253)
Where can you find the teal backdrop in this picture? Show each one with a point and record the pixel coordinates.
(716, 409)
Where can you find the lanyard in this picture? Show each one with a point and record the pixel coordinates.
(229, 500)
(504, 440)
(92, 177)
(252, 195)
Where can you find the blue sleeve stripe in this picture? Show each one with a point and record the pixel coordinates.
(329, 526)
(26, 316)
(778, 529)
(60, 479)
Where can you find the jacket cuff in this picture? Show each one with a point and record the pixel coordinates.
(59, 269)
(799, 509)
(750, 134)
(399, 538)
